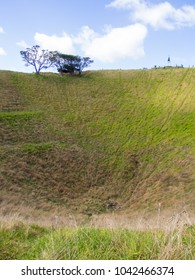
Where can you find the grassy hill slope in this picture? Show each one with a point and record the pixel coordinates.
(108, 141)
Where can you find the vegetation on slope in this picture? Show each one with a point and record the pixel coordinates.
(109, 140)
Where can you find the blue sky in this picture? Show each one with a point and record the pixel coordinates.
(127, 34)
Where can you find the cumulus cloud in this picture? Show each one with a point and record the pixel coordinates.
(123, 4)
(85, 37)
(112, 45)
(117, 43)
(161, 15)
(62, 43)
(2, 51)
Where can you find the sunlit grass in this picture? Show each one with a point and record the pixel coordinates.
(34, 242)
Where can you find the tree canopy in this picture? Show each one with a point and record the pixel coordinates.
(39, 59)
(66, 63)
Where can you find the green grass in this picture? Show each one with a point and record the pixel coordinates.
(120, 111)
(36, 148)
(33, 242)
(13, 117)
(126, 136)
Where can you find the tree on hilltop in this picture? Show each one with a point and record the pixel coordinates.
(66, 63)
(39, 59)
(83, 63)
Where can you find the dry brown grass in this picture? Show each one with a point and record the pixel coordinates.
(167, 220)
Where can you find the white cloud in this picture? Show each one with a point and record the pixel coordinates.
(2, 51)
(62, 43)
(126, 4)
(162, 15)
(84, 38)
(23, 44)
(112, 45)
(117, 43)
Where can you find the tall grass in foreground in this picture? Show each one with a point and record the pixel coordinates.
(34, 242)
